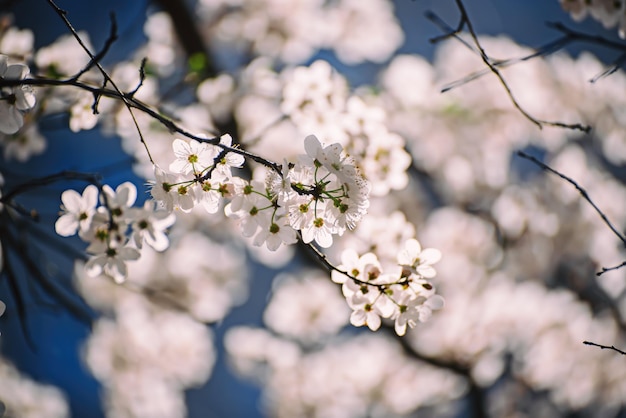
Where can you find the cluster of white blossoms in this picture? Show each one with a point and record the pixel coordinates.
(608, 12)
(403, 294)
(320, 195)
(115, 230)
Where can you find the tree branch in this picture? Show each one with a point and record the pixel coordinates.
(465, 21)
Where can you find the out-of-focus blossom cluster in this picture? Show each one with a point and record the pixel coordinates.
(609, 13)
(153, 343)
(357, 30)
(115, 230)
(344, 377)
(22, 397)
(519, 272)
(521, 248)
(147, 357)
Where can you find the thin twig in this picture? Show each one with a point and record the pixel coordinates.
(582, 192)
(605, 347)
(52, 178)
(607, 269)
(105, 49)
(137, 104)
(611, 70)
(585, 196)
(142, 78)
(465, 21)
(62, 14)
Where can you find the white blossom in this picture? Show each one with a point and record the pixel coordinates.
(77, 211)
(14, 100)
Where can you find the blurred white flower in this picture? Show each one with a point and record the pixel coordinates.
(14, 100)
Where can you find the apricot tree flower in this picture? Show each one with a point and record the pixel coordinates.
(112, 262)
(418, 260)
(192, 157)
(115, 230)
(14, 100)
(400, 293)
(77, 211)
(149, 225)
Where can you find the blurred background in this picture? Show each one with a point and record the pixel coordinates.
(268, 334)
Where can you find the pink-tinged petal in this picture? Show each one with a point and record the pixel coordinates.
(425, 314)
(66, 225)
(185, 203)
(260, 238)
(235, 160)
(385, 307)
(430, 256)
